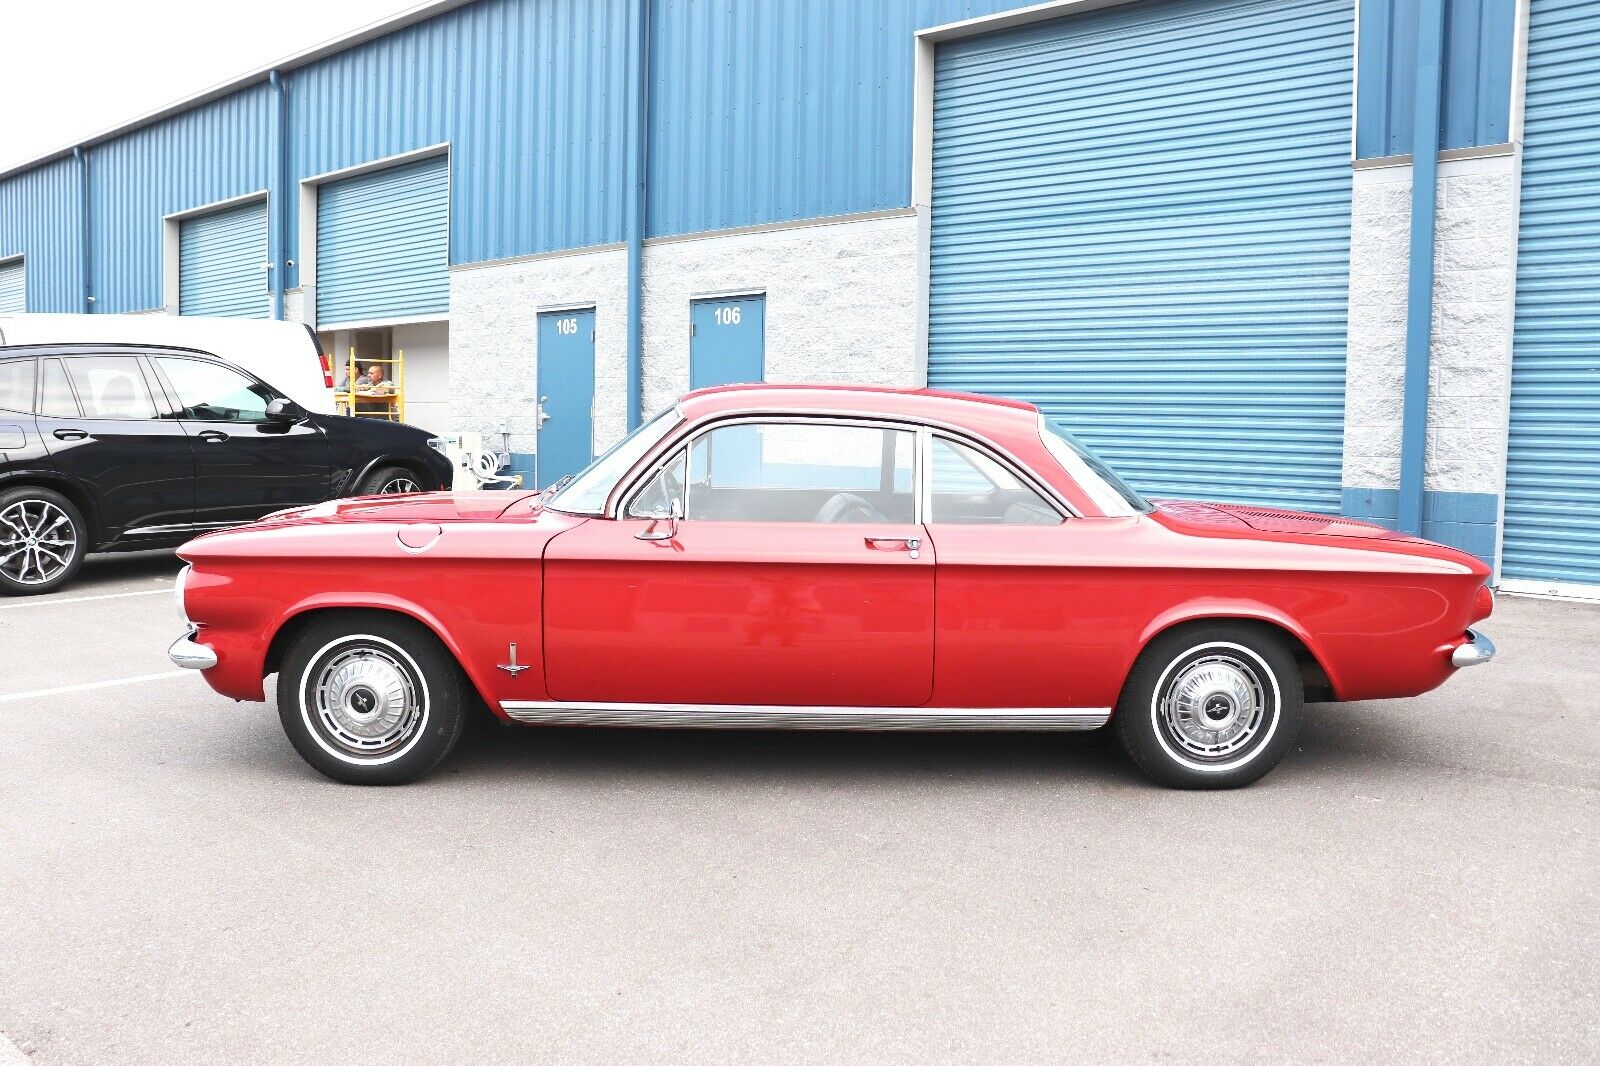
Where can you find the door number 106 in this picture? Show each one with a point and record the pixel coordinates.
(727, 316)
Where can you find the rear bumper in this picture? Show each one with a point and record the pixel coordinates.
(190, 654)
(1477, 649)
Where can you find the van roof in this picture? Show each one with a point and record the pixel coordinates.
(182, 331)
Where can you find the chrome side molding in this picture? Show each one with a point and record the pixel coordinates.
(748, 716)
(1477, 649)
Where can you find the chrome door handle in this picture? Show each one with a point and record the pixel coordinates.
(213, 436)
(70, 434)
(906, 544)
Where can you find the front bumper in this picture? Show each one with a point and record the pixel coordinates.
(1477, 649)
(190, 654)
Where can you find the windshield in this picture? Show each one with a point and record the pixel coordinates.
(588, 491)
(1110, 493)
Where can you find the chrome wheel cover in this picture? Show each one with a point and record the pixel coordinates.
(364, 703)
(398, 485)
(1214, 706)
(37, 542)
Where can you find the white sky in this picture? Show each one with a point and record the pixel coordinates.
(71, 68)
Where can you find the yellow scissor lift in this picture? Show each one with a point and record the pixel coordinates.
(363, 400)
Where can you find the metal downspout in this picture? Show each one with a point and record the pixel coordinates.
(87, 266)
(1419, 299)
(276, 191)
(636, 210)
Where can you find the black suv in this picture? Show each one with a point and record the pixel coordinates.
(125, 447)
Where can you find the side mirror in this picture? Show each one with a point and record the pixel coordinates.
(282, 410)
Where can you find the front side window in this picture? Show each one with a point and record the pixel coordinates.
(55, 394)
(16, 385)
(588, 491)
(662, 495)
(802, 472)
(967, 487)
(111, 386)
(208, 392)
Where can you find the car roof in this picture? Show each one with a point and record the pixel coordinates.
(934, 405)
(170, 330)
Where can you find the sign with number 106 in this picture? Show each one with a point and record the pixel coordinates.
(728, 315)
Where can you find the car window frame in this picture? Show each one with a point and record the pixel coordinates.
(1029, 483)
(175, 402)
(921, 470)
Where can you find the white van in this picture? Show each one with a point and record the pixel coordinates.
(286, 355)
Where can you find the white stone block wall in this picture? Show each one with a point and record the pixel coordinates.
(841, 301)
(841, 306)
(1473, 304)
(494, 330)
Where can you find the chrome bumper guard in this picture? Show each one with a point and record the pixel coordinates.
(1477, 649)
(189, 654)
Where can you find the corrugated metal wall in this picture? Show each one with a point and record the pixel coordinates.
(213, 153)
(531, 96)
(40, 219)
(1151, 241)
(1477, 74)
(1552, 522)
(761, 112)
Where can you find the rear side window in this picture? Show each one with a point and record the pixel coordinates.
(55, 395)
(16, 385)
(111, 386)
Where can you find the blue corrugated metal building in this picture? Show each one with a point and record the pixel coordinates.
(1188, 228)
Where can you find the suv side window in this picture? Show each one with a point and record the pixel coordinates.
(209, 392)
(111, 386)
(55, 394)
(16, 386)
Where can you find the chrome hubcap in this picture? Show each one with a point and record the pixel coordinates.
(1214, 706)
(37, 542)
(366, 702)
(397, 485)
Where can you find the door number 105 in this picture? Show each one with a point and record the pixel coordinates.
(568, 326)
(727, 316)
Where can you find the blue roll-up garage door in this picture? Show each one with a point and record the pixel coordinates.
(383, 244)
(1552, 520)
(1141, 222)
(222, 259)
(13, 288)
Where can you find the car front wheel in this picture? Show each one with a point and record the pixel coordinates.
(1212, 706)
(371, 700)
(43, 539)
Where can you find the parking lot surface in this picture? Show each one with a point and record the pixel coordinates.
(1419, 879)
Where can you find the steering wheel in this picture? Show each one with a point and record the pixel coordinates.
(848, 507)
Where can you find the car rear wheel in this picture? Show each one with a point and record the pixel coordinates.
(371, 700)
(1212, 706)
(388, 480)
(43, 539)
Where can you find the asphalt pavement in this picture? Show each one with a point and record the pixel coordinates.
(1420, 879)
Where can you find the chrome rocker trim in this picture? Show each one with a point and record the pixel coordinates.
(745, 716)
(1477, 649)
(189, 654)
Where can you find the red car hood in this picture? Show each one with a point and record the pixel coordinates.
(412, 507)
(1272, 520)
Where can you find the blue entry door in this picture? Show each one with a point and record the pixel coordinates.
(566, 395)
(729, 341)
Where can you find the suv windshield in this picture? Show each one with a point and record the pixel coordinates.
(1114, 496)
(588, 491)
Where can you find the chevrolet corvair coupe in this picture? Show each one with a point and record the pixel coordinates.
(824, 557)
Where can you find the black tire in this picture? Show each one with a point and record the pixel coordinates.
(395, 659)
(1242, 678)
(390, 479)
(36, 525)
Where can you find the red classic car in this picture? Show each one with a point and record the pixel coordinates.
(824, 557)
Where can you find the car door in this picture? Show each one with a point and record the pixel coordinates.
(246, 464)
(98, 417)
(798, 575)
